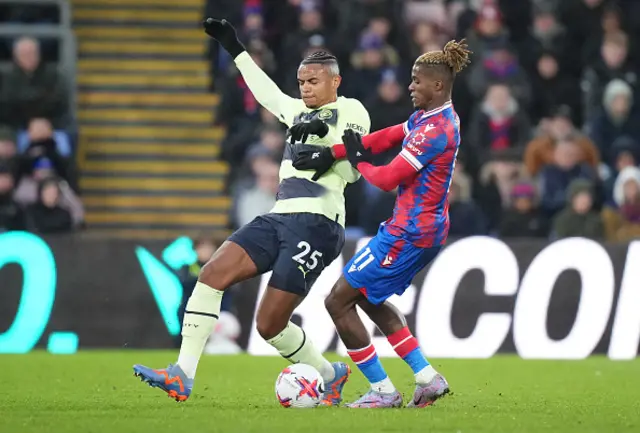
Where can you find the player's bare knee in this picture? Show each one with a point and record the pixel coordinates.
(331, 305)
(268, 328)
(229, 265)
(334, 305)
(213, 276)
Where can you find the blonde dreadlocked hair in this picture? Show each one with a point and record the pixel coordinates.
(454, 55)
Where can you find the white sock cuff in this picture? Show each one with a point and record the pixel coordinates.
(205, 299)
(292, 335)
(201, 289)
(426, 374)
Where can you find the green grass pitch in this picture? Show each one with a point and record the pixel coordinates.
(95, 392)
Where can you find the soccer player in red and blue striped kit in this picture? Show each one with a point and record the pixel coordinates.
(411, 238)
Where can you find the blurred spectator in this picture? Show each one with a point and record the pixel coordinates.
(631, 9)
(465, 216)
(47, 215)
(517, 17)
(552, 88)
(613, 65)
(380, 26)
(499, 126)
(389, 106)
(424, 37)
(547, 34)
(45, 130)
(430, 11)
(540, 151)
(556, 177)
(9, 157)
(235, 146)
(562, 123)
(11, 214)
(522, 219)
(625, 192)
(488, 32)
(259, 199)
(578, 217)
(369, 62)
(580, 17)
(618, 117)
(462, 15)
(35, 14)
(488, 196)
(33, 89)
(610, 24)
(42, 143)
(270, 145)
(499, 65)
(245, 176)
(461, 175)
(253, 21)
(297, 41)
(272, 140)
(28, 191)
(504, 172)
(623, 223)
(626, 153)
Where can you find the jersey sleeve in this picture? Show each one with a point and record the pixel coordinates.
(424, 144)
(351, 115)
(266, 92)
(379, 141)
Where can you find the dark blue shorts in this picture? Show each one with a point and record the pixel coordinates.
(296, 247)
(386, 266)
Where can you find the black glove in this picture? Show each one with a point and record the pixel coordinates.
(356, 152)
(301, 131)
(310, 157)
(223, 32)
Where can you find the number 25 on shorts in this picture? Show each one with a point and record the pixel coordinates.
(301, 258)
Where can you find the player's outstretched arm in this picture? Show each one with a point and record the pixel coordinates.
(321, 159)
(386, 177)
(378, 142)
(266, 92)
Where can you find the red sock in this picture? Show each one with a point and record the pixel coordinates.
(360, 356)
(367, 361)
(403, 342)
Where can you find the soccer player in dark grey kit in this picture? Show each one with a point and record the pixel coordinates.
(302, 234)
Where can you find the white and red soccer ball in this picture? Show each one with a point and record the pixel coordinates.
(300, 386)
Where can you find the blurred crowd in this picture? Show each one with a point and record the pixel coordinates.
(550, 118)
(38, 190)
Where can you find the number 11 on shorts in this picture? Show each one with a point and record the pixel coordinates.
(369, 258)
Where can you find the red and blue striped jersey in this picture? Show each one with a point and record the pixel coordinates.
(430, 146)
